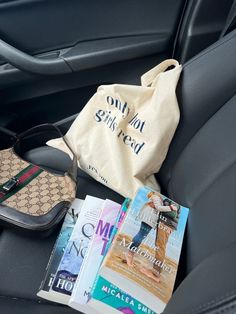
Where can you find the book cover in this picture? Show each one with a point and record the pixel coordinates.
(58, 249)
(109, 299)
(82, 290)
(76, 248)
(144, 256)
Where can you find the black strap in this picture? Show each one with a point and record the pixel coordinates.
(45, 128)
(230, 22)
(7, 138)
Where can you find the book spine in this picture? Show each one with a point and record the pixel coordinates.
(46, 282)
(118, 223)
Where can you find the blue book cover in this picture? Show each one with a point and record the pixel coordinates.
(76, 248)
(118, 223)
(59, 247)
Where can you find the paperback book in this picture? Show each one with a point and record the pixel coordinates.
(109, 295)
(58, 249)
(76, 249)
(82, 290)
(117, 300)
(143, 259)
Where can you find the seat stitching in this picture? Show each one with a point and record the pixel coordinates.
(215, 179)
(226, 308)
(205, 306)
(210, 183)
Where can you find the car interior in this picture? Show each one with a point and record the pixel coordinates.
(53, 56)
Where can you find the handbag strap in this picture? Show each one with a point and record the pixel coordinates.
(46, 128)
(7, 138)
(149, 78)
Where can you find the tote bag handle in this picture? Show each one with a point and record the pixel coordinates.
(149, 78)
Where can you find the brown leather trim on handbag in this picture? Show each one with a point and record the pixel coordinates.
(41, 223)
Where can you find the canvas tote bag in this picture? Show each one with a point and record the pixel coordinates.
(122, 135)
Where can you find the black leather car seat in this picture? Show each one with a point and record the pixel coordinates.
(199, 172)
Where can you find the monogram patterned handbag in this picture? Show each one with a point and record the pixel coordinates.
(33, 197)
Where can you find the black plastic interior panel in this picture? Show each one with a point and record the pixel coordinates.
(25, 62)
(95, 53)
(101, 42)
(84, 55)
(36, 26)
(201, 26)
(48, 109)
(40, 99)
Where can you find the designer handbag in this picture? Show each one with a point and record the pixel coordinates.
(33, 197)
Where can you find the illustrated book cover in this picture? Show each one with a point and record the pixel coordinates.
(143, 258)
(58, 250)
(111, 298)
(75, 252)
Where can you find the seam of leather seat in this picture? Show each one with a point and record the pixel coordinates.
(231, 96)
(170, 182)
(220, 308)
(209, 185)
(225, 309)
(25, 300)
(209, 50)
(215, 302)
(214, 180)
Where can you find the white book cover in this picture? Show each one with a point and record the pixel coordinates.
(82, 290)
(76, 249)
(58, 250)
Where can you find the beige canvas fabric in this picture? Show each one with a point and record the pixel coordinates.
(122, 135)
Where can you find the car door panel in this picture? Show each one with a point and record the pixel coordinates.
(45, 25)
(98, 41)
(49, 99)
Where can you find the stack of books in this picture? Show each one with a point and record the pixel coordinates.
(112, 258)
